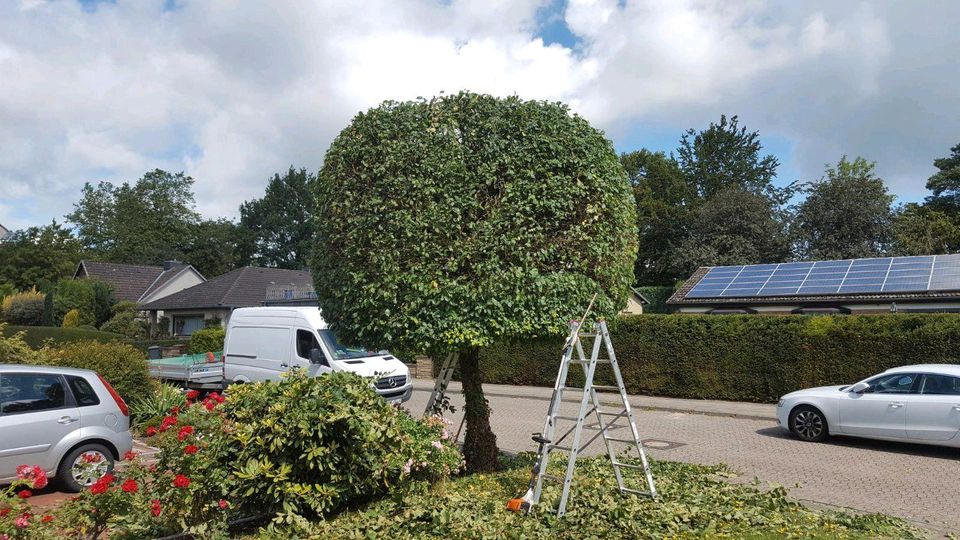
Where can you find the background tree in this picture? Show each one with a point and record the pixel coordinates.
(945, 184)
(664, 202)
(212, 248)
(733, 227)
(278, 229)
(144, 223)
(922, 230)
(846, 214)
(38, 257)
(452, 223)
(725, 156)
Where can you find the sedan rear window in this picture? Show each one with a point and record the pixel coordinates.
(85, 395)
(31, 392)
(941, 385)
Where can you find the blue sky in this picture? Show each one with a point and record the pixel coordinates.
(232, 92)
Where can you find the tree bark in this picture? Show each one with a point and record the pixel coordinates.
(479, 444)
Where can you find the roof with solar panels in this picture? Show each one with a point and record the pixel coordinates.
(881, 281)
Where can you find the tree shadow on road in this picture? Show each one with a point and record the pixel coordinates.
(922, 450)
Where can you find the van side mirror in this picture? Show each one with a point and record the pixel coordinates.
(316, 357)
(860, 388)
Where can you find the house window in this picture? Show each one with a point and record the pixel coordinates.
(186, 326)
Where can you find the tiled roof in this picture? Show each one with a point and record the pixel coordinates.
(243, 287)
(129, 281)
(679, 297)
(165, 277)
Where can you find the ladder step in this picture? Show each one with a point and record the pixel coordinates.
(587, 362)
(588, 334)
(560, 447)
(611, 413)
(636, 491)
(628, 465)
(617, 439)
(573, 418)
(606, 388)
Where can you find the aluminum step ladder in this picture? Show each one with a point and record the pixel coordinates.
(590, 404)
(438, 401)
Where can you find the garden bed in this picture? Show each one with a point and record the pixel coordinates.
(695, 501)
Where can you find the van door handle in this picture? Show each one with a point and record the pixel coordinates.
(67, 420)
(284, 364)
(896, 405)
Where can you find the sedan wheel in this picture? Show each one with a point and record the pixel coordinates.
(809, 424)
(82, 467)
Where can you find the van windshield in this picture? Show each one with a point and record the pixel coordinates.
(341, 352)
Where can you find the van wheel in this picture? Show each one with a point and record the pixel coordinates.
(808, 423)
(84, 465)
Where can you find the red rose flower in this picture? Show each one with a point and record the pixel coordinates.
(216, 397)
(223, 504)
(130, 486)
(181, 481)
(210, 405)
(4, 511)
(99, 487)
(39, 478)
(168, 422)
(151, 431)
(130, 456)
(185, 432)
(192, 395)
(155, 507)
(25, 494)
(175, 410)
(46, 519)
(190, 449)
(107, 478)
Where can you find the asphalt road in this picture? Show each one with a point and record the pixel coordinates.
(917, 483)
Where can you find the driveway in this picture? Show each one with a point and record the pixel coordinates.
(918, 483)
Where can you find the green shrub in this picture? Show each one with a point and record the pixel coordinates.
(38, 336)
(93, 299)
(156, 404)
(15, 350)
(24, 308)
(71, 319)
(742, 357)
(207, 340)
(124, 366)
(126, 324)
(124, 306)
(657, 296)
(6, 289)
(309, 445)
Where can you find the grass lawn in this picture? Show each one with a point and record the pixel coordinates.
(36, 335)
(695, 502)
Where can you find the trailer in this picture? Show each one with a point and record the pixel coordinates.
(197, 371)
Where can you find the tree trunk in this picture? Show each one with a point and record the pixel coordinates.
(479, 444)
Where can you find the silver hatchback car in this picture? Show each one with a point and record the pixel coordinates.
(70, 422)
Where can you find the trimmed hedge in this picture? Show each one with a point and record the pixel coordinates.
(122, 365)
(35, 336)
(207, 340)
(741, 357)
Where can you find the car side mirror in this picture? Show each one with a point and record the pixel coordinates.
(860, 388)
(316, 357)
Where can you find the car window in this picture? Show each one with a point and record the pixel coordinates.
(306, 342)
(896, 383)
(31, 392)
(940, 385)
(85, 395)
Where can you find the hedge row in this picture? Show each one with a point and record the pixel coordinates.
(36, 336)
(742, 357)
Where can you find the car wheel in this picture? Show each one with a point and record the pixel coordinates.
(808, 423)
(84, 465)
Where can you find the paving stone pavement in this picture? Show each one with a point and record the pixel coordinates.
(915, 482)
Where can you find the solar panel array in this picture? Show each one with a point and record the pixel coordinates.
(849, 276)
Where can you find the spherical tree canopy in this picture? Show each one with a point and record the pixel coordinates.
(465, 219)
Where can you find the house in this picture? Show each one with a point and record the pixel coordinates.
(212, 301)
(635, 303)
(919, 284)
(4, 233)
(141, 284)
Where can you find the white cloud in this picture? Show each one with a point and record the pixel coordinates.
(233, 92)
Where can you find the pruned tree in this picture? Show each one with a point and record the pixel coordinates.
(451, 223)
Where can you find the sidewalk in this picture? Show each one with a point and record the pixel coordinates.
(735, 409)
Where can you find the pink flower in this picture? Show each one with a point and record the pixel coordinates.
(223, 504)
(155, 507)
(22, 521)
(437, 444)
(24, 472)
(407, 465)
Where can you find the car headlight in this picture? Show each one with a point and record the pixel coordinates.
(780, 404)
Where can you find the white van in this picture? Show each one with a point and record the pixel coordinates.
(263, 342)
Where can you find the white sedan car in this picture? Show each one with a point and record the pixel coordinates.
(919, 404)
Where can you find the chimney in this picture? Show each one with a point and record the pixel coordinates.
(170, 264)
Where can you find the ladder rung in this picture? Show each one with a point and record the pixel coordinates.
(628, 465)
(606, 388)
(617, 439)
(560, 447)
(611, 413)
(573, 418)
(599, 361)
(588, 334)
(637, 491)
